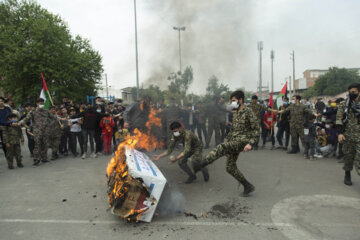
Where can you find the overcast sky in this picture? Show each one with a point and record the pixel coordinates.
(220, 38)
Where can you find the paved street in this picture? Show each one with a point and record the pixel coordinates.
(294, 199)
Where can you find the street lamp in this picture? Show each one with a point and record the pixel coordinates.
(136, 50)
(179, 29)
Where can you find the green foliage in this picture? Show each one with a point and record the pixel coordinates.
(181, 83)
(32, 41)
(335, 81)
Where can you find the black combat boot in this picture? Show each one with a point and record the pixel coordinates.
(347, 179)
(10, 166)
(188, 171)
(205, 173)
(36, 163)
(248, 187)
(293, 150)
(20, 165)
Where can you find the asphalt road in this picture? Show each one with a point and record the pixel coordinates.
(294, 199)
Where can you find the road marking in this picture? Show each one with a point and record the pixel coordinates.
(197, 223)
(294, 211)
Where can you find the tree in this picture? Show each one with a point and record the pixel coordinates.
(180, 83)
(32, 41)
(335, 81)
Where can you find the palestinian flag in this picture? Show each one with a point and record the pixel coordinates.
(271, 101)
(44, 94)
(280, 98)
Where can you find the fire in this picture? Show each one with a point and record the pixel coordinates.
(119, 181)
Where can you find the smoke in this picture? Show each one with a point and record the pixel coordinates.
(215, 41)
(172, 201)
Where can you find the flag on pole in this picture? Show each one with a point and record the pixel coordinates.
(279, 98)
(44, 94)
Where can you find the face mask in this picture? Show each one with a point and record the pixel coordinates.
(176, 134)
(327, 126)
(41, 106)
(234, 104)
(98, 110)
(14, 121)
(120, 130)
(353, 96)
(333, 104)
(293, 101)
(285, 103)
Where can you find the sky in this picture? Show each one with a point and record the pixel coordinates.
(220, 38)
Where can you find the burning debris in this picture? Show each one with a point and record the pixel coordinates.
(135, 184)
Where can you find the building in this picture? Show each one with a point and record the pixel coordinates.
(127, 96)
(311, 75)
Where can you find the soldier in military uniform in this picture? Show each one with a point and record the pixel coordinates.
(41, 119)
(243, 135)
(192, 148)
(348, 126)
(258, 110)
(298, 117)
(54, 135)
(12, 135)
(213, 114)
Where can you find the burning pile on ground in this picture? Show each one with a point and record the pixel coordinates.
(135, 184)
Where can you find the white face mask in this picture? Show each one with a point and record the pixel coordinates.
(293, 101)
(327, 126)
(41, 106)
(176, 134)
(98, 110)
(234, 104)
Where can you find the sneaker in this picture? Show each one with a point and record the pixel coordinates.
(272, 147)
(10, 167)
(319, 156)
(93, 155)
(83, 156)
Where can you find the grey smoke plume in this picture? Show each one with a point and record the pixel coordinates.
(214, 43)
(172, 201)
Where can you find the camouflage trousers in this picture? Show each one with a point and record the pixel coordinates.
(41, 146)
(14, 151)
(231, 150)
(351, 149)
(196, 158)
(54, 143)
(296, 131)
(213, 126)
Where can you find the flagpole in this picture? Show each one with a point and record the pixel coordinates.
(272, 117)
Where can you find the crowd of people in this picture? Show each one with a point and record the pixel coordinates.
(67, 127)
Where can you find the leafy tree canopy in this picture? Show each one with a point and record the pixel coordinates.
(32, 40)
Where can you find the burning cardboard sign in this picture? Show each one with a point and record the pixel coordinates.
(135, 183)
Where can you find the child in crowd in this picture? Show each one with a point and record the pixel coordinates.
(310, 137)
(120, 135)
(320, 141)
(107, 126)
(269, 121)
(12, 135)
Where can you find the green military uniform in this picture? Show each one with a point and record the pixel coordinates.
(244, 130)
(297, 119)
(12, 135)
(41, 119)
(213, 114)
(54, 137)
(192, 148)
(351, 131)
(257, 110)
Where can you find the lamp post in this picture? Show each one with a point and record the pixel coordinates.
(272, 56)
(260, 48)
(136, 50)
(179, 29)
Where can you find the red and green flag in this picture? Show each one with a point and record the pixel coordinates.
(280, 98)
(44, 94)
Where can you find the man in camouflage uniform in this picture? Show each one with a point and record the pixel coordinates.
(348, 126)
(41, 119)
(298, 116)
(243, 135)
(213, 113)
(192, 148)
(258, 110)
(54, 135)
(12, 135)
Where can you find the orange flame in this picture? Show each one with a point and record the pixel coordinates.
(117, 170)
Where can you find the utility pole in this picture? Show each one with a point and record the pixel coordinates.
(293, 60)
(136, 50)
(260, 48)
(272, 56)
(179, 29)
(290, 87)
(107, 88)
